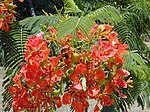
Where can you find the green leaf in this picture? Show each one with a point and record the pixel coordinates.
(137, 65)
(72, 25)
(107, 14)
(71, 7)
(35, 24)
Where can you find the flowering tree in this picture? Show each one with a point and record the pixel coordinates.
(73, 76)
(71, 63)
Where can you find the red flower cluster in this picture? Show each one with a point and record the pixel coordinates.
(6, 14)
(72, 77)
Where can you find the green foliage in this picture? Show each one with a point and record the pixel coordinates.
(106, 14)
(141, 85)
(137, 66)
(37, 23)
(135, 22)
(71, 7)
(127, 33)
(138, 92)
(72, 24)
(13, 44)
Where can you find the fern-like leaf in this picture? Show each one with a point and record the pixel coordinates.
(107, 14)
(141, 81)
(13, 44)
(71, 7)
(140, 74)
(129, 31)
(72, 25)
(137, 66)
(35, 24)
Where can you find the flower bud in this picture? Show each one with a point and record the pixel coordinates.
(10, 6)
(75, 57)
(56, 92)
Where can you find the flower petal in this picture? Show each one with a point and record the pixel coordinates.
(66, 99)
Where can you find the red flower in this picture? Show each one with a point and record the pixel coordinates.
(121, 48)
(1, 11)
(104, 29)
(119, 82)
(93, 92)
(15, 106)
(94, 29)
(16, 79)
(100, 75)
(78, 86)
(81, 68)
(122, 72)
(78, 106)
(7, 15)
(66, 99)
(113, 38)
(52, 30)
(41, 84)
(106, 100)
(93, 55)
(56, 76)
(79, 102)
(110, 65)
(76, 82)
(35, 42)
(7, 28)
(1, 23)
(36, 94)
(120, 94)
(9, 18)
(21, 96)
(4, 26)
(58, 102)
(103, 51)
(13, 89)
(44, 54)
(118, 60)
(108, 88)
(65, 42)
(54, 61)
(25, 102)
